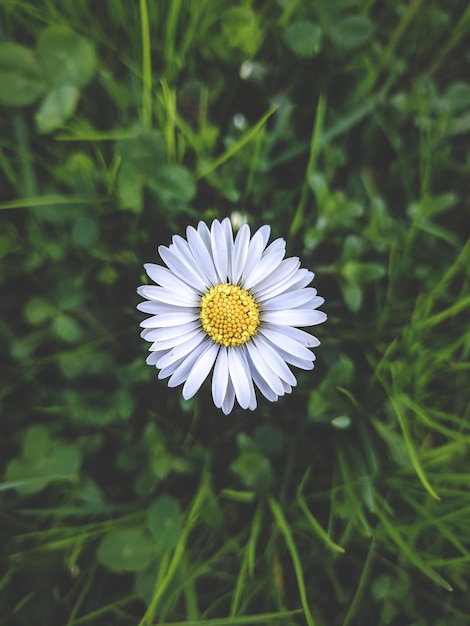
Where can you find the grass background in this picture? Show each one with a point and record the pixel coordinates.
(345, 126)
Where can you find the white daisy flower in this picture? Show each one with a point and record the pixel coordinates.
(233, 305)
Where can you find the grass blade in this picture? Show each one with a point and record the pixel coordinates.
(285, 530)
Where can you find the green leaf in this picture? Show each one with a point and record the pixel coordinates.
(146, 152)
(124, 404)
(353, 247)
(66, 57)
(319, 407)
(126, 550)
(129, 185)
(245, 443)
(341, 422)
(164, 521)
(64, 461)
(269, 439)
(21, 79)
(161, 462)
(36, 443)
(66, 328)
(430, 206)
(351, 32)
(84, 232)
(173, 181)
(352, 294)
(254, 470)
(303, 38)
(355, 271)
(37, 311)
(458, 96)
(240, 29)
(18, 478)
(342, 372)
(56, 108)
(46, 464)
(238, 18)
(238, 496)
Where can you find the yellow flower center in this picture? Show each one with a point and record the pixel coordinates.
(229, 314)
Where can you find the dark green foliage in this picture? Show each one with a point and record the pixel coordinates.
(345, 126)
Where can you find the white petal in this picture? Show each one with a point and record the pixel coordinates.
(275, 360)
(292, 359)
(220, 377)
(228, 232)
(204, 234)
(166, 278)
(301, 279)
(316, 302)
(302, 364)
(182, 248)
(180, 351)
(263, 386)
(144, 308)
(255, 250)
(201, 255)
(280, 340)
(168, 344)
(168, 319)
(200, 371)
(229, 399)
(278, 281)
(301, 336)
(180, 372)
(188, 274)
(169, 296)
(265, 371)
(157, 308)
(287, 388)
(162, 334)
(152, 358)
(240, 252)
(240, 377)
(290, 300)
(269, 262)
(274, 247)
(295, 317)
(264, 232)
(219, 251)
(145, 334)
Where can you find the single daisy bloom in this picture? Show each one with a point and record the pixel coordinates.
(232, 305)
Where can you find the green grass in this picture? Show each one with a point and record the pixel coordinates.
(345, 127)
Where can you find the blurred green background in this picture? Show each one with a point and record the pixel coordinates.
(344, 125)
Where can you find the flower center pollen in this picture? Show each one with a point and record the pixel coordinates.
(229, 314)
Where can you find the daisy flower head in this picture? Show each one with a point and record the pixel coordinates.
(232, 305)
